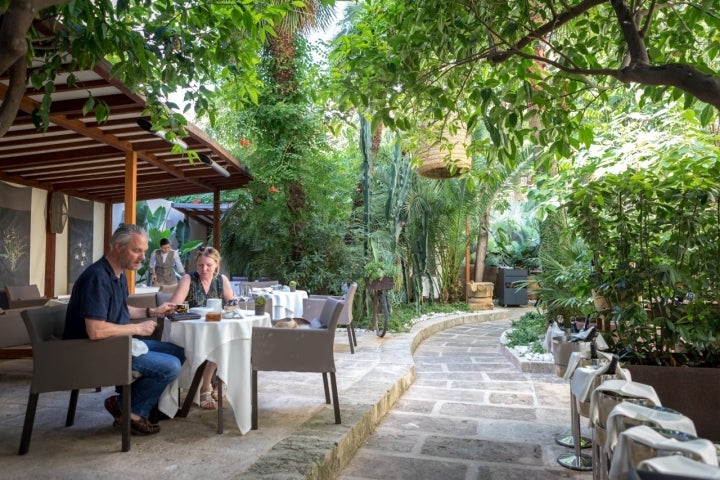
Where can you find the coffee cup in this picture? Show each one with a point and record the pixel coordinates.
(214, 304)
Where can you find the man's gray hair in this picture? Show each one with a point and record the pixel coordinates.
(122, 235)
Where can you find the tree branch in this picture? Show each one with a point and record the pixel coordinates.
(633, 39)
(13, 95)
(547, 28)
(688, 79)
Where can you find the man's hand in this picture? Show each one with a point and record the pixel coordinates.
(145, 328)
(165, 309)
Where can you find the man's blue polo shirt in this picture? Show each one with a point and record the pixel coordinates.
(98, 293)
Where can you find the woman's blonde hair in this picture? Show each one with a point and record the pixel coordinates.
(210, 252)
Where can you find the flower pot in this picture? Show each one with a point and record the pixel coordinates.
(385, 283)
(479, 295)
(689, 390)
(259, 310)
(292, 289)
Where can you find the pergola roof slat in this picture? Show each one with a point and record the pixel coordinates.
(81, 157)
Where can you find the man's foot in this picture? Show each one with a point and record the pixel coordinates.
(142, 427)
(156, 415)
(113, 408)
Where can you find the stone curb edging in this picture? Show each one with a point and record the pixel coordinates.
(525, 365)
(319, 449)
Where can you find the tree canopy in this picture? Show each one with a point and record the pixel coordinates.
(157, 49)
(528, 69)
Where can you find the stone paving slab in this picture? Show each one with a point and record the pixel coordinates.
(473, 412)
(297, 438)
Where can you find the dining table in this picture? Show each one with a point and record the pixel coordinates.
(227, 343)
(286, 303)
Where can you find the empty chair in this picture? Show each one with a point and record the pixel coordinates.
(297, 350)
(313, 305)
(71, 365)
(24, 296)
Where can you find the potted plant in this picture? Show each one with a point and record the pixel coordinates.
(293, 285)
(260, 303)
(654, 236)
(379, 275)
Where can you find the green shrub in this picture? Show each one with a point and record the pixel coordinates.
(402, 315)
(528, 330)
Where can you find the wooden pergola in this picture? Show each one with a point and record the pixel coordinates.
(118, 161)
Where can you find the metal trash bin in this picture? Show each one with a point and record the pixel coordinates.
(508, 293)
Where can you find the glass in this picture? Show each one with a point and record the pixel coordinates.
(243, 294)
(182, 307)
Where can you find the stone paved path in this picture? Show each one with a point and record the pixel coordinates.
(470, 414)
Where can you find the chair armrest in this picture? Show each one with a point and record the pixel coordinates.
(22, 303)
(292, 350)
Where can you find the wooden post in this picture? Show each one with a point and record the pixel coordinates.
(131, 172)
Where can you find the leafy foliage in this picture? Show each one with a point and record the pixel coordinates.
(527, 71)
(655, 235)
(156, 48)
(529, 331)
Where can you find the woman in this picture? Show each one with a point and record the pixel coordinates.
(195, 288)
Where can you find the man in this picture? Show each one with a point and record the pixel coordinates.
(98, 309)
(163, 263)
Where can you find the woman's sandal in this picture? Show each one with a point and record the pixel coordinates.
(207, 402)
(219, 388)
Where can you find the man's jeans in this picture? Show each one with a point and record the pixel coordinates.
(159, 367)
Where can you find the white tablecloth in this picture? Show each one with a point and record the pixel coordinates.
(286, 304)
(228, 344)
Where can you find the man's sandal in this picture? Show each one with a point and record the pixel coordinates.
(207, 402)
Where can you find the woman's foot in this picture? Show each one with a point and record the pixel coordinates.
(218, 390)
(206, 401)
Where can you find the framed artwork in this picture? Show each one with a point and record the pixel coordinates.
(80, 237)
(14, 234)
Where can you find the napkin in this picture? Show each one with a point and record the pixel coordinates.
(679, 465)
(139, 347)
(622, 388)
(616, 421)
(636, 442)
(586, 379)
